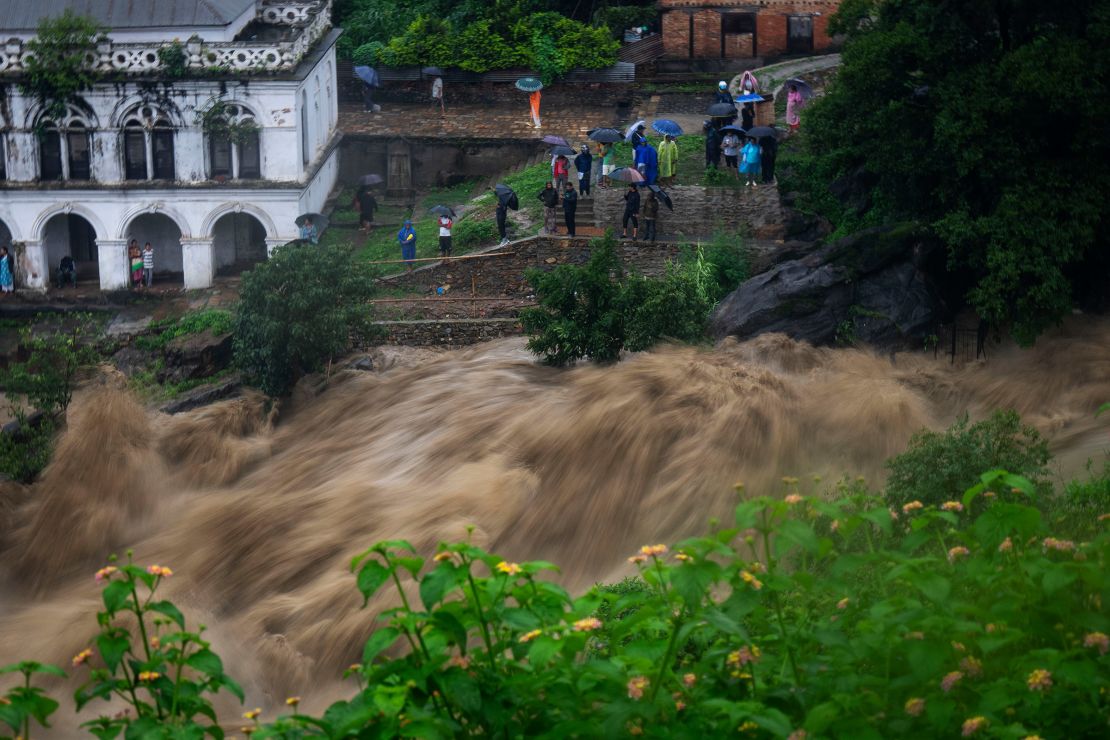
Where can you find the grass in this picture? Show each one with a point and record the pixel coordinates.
(145, 383)
(160, 333)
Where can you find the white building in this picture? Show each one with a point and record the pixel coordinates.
(208, 150)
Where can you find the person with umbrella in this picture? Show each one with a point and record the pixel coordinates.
(650, 212)
(712, 146)
(308, 231)
(631, 209)
(437, 95)
(584, 163)
(750, 166)
(747, 116)
(369, 78)
(606, 154)
(406, 237)
(502, 214)
(570, 205)
(730, 145)
(534, 107)
(561, 172)
(367, 204)
(794, 104)
(723, 96)
(445, 224)
(550, 198)
(647, 161)
(668, 159)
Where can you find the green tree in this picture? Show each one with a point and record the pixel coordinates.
(58, 70)
(297, 310)
(981, 119)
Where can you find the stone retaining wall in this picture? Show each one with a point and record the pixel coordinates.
(700, 211)
(446, 332)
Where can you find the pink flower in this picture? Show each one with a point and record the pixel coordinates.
(743, 656)
(105, 573)
(636, 686)
(959, 551)
(915, 706)
(973, 725)
(1097, 640)
(82, 657)
(893, 515)
(972, 666)
(952, 506)
(689, 679)
(1006, 545)
(1051, 543)
(950, 680)
(835, 525)
(653, 550)
(1039, 680)
(793, 499)
(589, 624)
(843, 603)
(158, 570)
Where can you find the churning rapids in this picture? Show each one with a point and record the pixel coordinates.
(259, 516)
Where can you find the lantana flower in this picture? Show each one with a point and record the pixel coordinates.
(1039, 680)
(510, 569)
(589, 624)
(915, 706)
(972, 726)
(636, 686)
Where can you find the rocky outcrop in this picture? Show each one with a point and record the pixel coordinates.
(873, 286)
(196, 356)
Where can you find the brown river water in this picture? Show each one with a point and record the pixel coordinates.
(258, 512)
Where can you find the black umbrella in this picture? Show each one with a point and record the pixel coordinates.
(722, 110)
(319, 220)
(759, 132)
(442, 211)
(506, 196)
(605, 135)
(431, 71)
(662, 195)
(734, 129)
(369, 75)
(566, 151)
(555, 140)
(803, 87)
(368, 180)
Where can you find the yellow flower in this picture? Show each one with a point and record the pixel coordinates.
(439, 557)
(973, 725)
(1039, 680)
(529, 636)
(679, 705)
(972, 666)
(682, 557)
(748, 726)
(653, 550)
(149, 675)
(914, 707)
(959, 551)
(589, 624)
(252, 714)
(1097, 640)
(689, 679)
(793, 499)
(637, 559)
(636, 686)
(751, 580)
(912, 506)
(1006, 545)
(105, 572)
(508, 568)
(293, 701)
(155, 642)
(950, 680)
(1032, 737)
(158, 570)
(843, 603)
(354, 667)
(82, 657)
(952, 506)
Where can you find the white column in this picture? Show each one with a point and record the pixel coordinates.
(114, 267)
(199, 262)
(148, 145)
(36, 273)
(272, 244)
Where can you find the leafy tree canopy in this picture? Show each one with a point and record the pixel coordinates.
(984, 119)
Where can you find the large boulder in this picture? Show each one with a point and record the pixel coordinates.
(196, 356)
(872, 286)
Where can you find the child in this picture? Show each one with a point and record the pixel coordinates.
(445, 225)
(148, 265)
(750, 166)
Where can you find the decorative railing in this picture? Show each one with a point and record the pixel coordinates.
(311, 18)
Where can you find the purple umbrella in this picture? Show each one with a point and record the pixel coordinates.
(555, 140)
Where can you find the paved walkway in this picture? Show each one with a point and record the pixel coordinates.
(471, 121)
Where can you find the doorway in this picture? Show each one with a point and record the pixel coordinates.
(799, 34)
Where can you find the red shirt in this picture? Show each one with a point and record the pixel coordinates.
(560, 166)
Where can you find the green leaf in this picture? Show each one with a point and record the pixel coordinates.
(390, 699)
(112, 649)
(797, 533)
(207, 662)
(233, 687)
(411, 564)
(543, 649)
(436, 583)
(461, 689)
(382, 638)
(1056, 578)
(116, 595)
(370, 578)
(450, 625)
(168, 609)
(933, 585)
(821, 716)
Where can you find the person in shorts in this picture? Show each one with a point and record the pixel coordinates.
(445, 225)
(730, 145)
(606, 164)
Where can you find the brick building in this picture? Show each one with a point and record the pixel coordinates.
(739, 29)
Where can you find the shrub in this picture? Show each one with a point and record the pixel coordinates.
(163, 332)
(675, 306)
(936, 465)
(55, 354)
(25, 453)
(616, 18)
(57, 72)
(728, 263)
(367, 54)
(173, 59)
(470, 233)
(297, 311)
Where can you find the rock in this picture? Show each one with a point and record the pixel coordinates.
(868, 286)
(204, 395)
(363, 364)
(550, 260)
(131, 360)
(196, 356)
(124, 327)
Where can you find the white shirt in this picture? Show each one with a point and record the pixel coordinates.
(437, 88)
(444, 229)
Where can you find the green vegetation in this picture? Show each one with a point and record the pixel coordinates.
(161, 333)
(549, 37)
(297, 311)
(596, 311)
(45, 383)
(937, 463)
(980, 120)
(802, 616)
(56, 72)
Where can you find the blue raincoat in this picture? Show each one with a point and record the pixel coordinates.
(406, 237)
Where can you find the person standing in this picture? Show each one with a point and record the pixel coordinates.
(534, 106)
(136, 256)
(650, 160)
(730, 145)
(367, 204)
(445, 224)
(631, 209)
(148, 265)
(637, 139)
(770, 147)
(606, 164)
(668, 160)
(437, 95)
(550, 198)
(561, 173)
(750, 167)
(651, 212)
(7, 271)
(570, 205)
(502, 214)
(712, 146)
(747, 116)
(584, 163)
(794, 105)
(406, 237)
(724, 96)
(367, 98)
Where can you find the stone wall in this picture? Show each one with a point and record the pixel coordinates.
(591, 94)
(433, 162)
(700, 211)
(501, 272)
(446, 332)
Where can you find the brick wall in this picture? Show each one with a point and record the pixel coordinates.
(771, 26)
(738, 45)
(675, 30)
(707, 33)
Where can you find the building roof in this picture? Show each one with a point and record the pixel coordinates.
(24, 15)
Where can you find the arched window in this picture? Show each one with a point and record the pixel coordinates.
(50, 152)
(148, 146)
(233, 145)
(77, 146)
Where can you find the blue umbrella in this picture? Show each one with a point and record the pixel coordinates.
(369, 75)
(529, 84)
(750, 98)
(666, 127)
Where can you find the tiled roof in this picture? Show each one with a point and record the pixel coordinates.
(24, 15)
